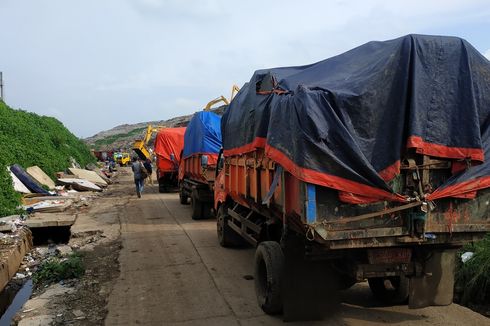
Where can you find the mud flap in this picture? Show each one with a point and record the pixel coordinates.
(309, 288)
(436, 286)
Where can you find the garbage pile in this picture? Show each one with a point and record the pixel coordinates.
(41, 194)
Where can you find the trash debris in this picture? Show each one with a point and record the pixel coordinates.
(80, 184)
(50, 206)
(467, 256)
(430, 236)
(19, 276)
(18, 185)
(27, 180)
(90, 176)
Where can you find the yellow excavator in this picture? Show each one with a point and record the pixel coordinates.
(140, 145)
(223, 99)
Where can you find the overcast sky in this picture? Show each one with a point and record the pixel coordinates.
(95, 64)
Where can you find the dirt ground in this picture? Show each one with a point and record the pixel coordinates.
(149, 263)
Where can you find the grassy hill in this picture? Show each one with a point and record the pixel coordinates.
(29, 139)
(123, 136)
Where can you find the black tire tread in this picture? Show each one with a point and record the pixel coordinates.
(270, 298)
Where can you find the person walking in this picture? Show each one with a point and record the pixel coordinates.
(139, 179)
(149, 170)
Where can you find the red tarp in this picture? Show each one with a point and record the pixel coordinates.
(169, 142)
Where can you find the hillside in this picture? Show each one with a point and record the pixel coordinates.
(123, 136)
(29, 139)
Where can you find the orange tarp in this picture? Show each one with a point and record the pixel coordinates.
(169, 144)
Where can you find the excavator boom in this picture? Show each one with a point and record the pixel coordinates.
(140, 145)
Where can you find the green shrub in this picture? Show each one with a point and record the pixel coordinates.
(473, 277)
(55, 269)
(29, 139)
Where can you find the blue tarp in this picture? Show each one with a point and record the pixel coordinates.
(203, 134)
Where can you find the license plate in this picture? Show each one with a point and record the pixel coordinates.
(389, 255)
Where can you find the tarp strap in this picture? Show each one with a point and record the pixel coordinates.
(275, 182)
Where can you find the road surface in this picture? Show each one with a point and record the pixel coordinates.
(174, 272)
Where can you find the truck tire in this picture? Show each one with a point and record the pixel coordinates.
(162, 188)
(184, 199)
(269, 266)
(392, 290)
(207, 210)
(227, 237)
(197, 206)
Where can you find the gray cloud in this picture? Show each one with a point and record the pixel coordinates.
(95, 64)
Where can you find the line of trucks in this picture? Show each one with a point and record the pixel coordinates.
(372, 165)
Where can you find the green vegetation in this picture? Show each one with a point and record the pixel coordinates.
(473, 277)
(114, 138)
(29, 139)
(56, 269)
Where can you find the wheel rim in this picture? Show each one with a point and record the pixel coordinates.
(221, 224)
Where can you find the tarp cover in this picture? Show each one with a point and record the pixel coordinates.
(169, 142)
(345, 122)
(203, 134)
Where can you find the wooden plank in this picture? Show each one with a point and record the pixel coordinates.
(89, 176)
(40, 176)
(80, 184)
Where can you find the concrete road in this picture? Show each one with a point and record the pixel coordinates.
(174, 272)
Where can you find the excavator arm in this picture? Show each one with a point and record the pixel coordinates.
(222, 99)
(140, 145)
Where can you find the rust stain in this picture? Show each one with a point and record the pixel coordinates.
(450, 216)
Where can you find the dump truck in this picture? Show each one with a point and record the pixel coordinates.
(202, 143)
(371, 165)
(169, 144)
(122, 158)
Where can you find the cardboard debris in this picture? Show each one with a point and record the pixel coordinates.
(79, 184)
(49, 206)
(89, 176)
(18, 185)
(34, 200)
(40, 176)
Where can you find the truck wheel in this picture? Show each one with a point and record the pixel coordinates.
(226, 235)
(162, 188)
(269, 265)
(207, 210)
(393, 290)
(183, 198)
(197, 205)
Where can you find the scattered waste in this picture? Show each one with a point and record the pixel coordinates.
(80, 184)
(49, 206)
(18, 185)
(467, 256)
(90, 176)
(27, 180)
